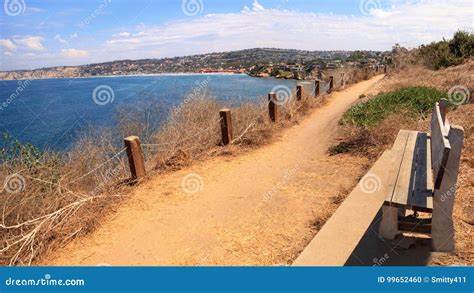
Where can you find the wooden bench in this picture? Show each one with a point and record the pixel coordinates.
(418, 174)
(422, 178)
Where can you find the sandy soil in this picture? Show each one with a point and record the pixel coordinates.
(260, 208)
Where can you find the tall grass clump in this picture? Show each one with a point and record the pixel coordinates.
(412, 101)
(48, 198)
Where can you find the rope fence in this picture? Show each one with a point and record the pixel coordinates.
(138, 153)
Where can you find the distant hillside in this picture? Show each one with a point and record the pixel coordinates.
(244, 61)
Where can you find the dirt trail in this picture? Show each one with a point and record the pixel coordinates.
(258, 208)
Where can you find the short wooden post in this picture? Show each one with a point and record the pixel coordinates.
(343, 81)
(226, 126)
(331, 84)
(385, 69)
(316, 88)
(299, 92)
(272, 107)
(135, 157)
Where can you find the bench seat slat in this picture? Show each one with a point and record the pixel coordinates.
(397, 151)
(429, 166)
(440, 146)
(411, 186)
(404, 185)
(422, 197)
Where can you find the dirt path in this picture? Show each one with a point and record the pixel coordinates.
(254, 209)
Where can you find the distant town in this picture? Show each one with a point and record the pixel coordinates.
(266, 62)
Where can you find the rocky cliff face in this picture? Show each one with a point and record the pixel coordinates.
(55, 72)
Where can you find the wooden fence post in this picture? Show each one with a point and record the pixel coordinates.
(316, 88)
(299, 92)
(385, 69)
(331, 84)
(272, 107)
(135, 157)
(226, 126)
(343, 80)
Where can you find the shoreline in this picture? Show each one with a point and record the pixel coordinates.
(133, 75)
(155, 74)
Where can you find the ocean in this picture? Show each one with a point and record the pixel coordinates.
(51, 113)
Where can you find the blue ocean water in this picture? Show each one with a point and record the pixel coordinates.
(50, 113)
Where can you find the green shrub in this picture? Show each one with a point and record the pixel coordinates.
(414, 101)
(449, 52)
(18, 153)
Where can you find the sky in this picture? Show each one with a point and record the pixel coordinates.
(44, 33)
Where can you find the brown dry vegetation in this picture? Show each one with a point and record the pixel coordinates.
(371, 142)
(50, 198)
(416, 75)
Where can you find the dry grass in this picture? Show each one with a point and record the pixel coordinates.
(58, 197)
(416, 75)
(49, 198)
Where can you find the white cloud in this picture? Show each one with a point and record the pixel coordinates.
(123, 34)
(8, 53)
(256, 7)
(74, 53)
(30, 42)
(409, 24)
(37, 56)
(7, 44)
(59, 39)
(383, 13)
(73, 36)
(124, 41)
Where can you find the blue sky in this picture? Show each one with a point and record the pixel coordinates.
(36, 33)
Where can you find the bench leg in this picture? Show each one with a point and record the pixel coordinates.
(442, 227)
(388, 227)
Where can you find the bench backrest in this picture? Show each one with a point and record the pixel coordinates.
(440, 146)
